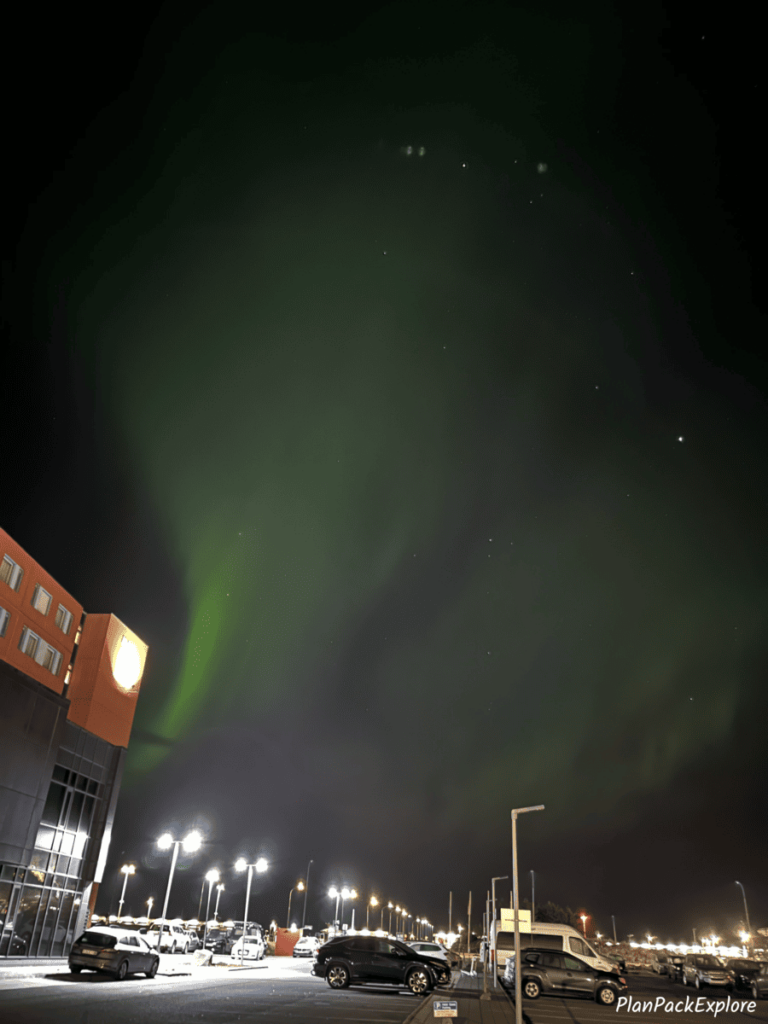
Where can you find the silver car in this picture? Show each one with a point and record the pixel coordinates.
(116, 951)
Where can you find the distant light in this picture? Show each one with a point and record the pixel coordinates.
(212, 876)
(333, 892)
(192, 842)
(241, 864)
(165, 842)
(261, 865)
(300, 887)
(681, 438)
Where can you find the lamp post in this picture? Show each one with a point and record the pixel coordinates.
(613, 919)
(219, 891)
(372, 902)
(212, 876)
(346, 894)
(518, 986)
(498, 878)
(306, 890)
(300, 887)
(583, 919)
(240, 865)
(150, 901)
(191, 842)
(126, 869)
(746, 912)
(334, 893)
(533, 897)
(381, 922)
(390, 908)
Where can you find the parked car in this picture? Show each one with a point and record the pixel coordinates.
(250, 947)
(759, 985)
(742, 972)
(306, 946)
(433, 949)
(174, 938)
(552, 973)
(115, 951)
(660, 963)
(195, 942)
(675, 967)
(703, 970)
(367, 959)
(616, 958)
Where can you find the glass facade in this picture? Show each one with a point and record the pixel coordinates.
(40, 901)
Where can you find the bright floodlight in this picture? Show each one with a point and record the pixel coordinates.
(128, 869)
(353, 894)
(212, 876)
(165, 842)
(261, 865)
(192, 842)
(241, 864)
(374, 901)
(345, 893)
(300, 887)
(333, 892)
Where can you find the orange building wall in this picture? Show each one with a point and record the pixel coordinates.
(99, 702)
(18, 603)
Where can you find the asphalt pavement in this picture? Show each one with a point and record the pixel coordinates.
(281, 990)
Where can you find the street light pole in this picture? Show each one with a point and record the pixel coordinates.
(212, 876)
(191, 842)
(126, 869)
(515, 904)
(241, 865)
(306, 890)
(499, 878)
(746, 912)
(219, 891)
(613, 918)
(299, 886)
(533, 897)
(390, 908)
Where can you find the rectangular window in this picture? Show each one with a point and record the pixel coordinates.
(41, 599)
(11, 573)
(63, 619)
(29, 642)
(50, 658)
(5, 618)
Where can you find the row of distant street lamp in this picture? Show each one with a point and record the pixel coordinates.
(423, 926)
(193, 841)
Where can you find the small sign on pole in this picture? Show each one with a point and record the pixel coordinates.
(445, 1008)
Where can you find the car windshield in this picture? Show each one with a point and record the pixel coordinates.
(251, 942)
(102, 939)
(739, 964)
(707, 961)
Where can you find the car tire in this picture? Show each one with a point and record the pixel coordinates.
(337, 976)
(419, 981)
(186, 949)
(685, 978)
(531, 988)
(122, 971)
(153, 969)
(606, 996)
(75, 969)
(698, 983)
(755, 993)
(172, 950)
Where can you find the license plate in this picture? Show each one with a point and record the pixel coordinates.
(91, 952)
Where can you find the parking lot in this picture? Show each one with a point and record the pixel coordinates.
(646, 990)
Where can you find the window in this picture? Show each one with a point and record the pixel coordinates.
(41, 599)
(580, 948)
(29, 642)
(63, 619)
(572, 964)
(4, 620)
(45, 655)
(11, 573)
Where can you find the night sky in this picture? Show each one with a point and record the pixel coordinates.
(400, 380)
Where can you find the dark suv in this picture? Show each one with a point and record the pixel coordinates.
(365, 959)
(560, 974)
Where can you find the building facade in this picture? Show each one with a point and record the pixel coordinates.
(69, 682)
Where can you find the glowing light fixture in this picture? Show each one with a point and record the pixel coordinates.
(127, 665)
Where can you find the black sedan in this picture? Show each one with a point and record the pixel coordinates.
(368, 960)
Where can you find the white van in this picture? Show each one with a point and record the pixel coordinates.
(545, 936)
